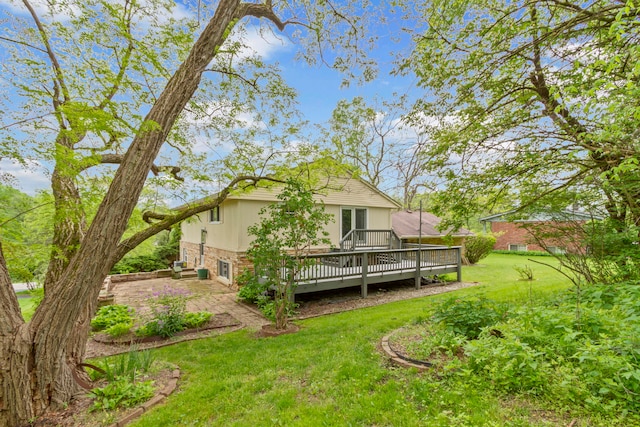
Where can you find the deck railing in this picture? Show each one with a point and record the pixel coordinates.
(370, 266)
(370, 239)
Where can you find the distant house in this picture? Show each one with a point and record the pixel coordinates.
(406, 224)
(217, 239)
(557, 233)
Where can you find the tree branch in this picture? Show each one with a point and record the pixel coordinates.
(116, 159)
(252, 83)
(59, 80)
(168, 220)
(264, 10)
(24, 44)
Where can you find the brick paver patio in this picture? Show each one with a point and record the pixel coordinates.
(206, 295)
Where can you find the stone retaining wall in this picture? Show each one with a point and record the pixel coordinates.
(130, 277)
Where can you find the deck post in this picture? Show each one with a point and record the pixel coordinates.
(459, 270)
(418, 277)
(365, 273)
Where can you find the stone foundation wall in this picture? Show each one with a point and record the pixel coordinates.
(237, 262)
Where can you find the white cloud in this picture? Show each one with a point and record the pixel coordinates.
(30, 178)
(56, 12)
(258, 41)
(42, 8)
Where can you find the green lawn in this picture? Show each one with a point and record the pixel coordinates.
(27, 307)
(500, 280)
(331, 373)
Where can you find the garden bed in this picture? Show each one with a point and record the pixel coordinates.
(103, 345)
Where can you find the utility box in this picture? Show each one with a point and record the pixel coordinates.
(203, 273)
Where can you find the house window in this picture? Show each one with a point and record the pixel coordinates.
(224, 270)
(214, 215)
(521, 248)
(556, 250)
(184, 254)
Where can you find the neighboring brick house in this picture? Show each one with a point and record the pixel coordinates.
(406, 224)
(217, 239)
(558, 233)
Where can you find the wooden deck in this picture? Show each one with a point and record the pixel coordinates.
(336, 270)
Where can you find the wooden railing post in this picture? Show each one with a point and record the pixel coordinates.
(418, 277)
(365, 274)
(459, 261)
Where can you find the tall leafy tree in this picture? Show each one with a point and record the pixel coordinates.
(25, 247)
(100, 88)
(377, 139)
(287, 231)
(537, 97)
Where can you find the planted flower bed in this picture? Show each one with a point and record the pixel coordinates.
(167, 317)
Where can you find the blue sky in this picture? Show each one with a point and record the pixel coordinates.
(319, 87)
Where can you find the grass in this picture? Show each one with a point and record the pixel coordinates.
(331, 373)
(27, 307)
(499, 279)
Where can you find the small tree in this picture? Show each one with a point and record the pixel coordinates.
(478, 247)
(287, 231)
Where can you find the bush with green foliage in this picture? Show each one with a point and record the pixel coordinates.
(115, 320)
(614, 252)
(122, 373)
(478, 247)
(121, 393)
(585, 354)
(251, 289)
(168, 309)
(196, 320)
(25, 233)
(522, 253)
(469, 316)
(169, 314)
(127, 365)
(139, 263)
(163, 255)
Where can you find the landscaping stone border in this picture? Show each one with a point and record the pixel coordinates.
(398, 359)
(158, 398)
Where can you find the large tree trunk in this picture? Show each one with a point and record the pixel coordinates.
(36, 374)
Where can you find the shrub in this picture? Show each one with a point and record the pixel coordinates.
(169, 314)
(122, 372)
(121, 394)
(286, 231)
(250, 287)
(468, 317)
(583, 355)
(166, 251)
(127, 365)
(511, 365)
(522, 253)
(113, 317)
(478, 247)
(525, 272)
(135, 264)
(167, 310)
(195, 320)
(119, 329)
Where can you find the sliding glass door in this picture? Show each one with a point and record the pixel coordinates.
(353, 218)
